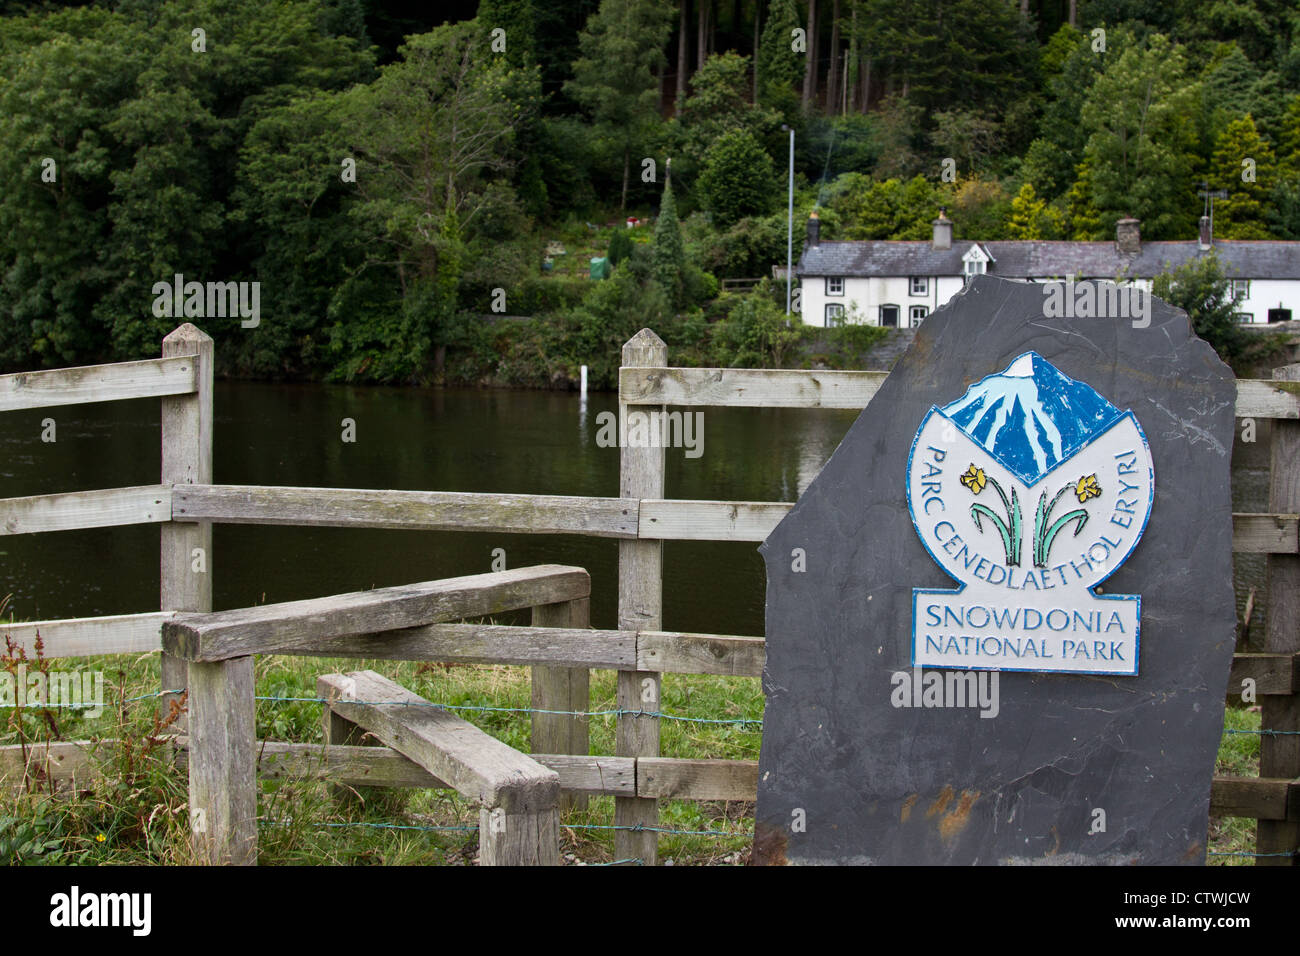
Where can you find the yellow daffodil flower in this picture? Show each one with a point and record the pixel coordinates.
(1086, 488)
(974, 479)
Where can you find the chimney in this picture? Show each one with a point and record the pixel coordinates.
(1207, 239)
(942, 230)
(1128, 236)
(814, 229)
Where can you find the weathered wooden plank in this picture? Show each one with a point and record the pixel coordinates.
(678, 653)
(1271, 673)
(1265, 534)
(420, 510)
(799, 388)
(63, 763)
(222, 764)
(1258, 398)
(185, 550)
(1279, 754)
(1260, 798)
(384, 767)
(682, 520)
(96, 383)
(484, 644)
(88, 636)
(669, 777)
(640, 607)
(560, 689)
(767, 388)
(105, 508)
(270, 627)
(475, 764)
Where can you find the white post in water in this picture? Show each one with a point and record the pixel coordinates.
(582, 386)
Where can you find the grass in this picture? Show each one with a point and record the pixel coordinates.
(136, 814)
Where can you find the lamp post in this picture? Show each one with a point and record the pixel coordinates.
(789, 224)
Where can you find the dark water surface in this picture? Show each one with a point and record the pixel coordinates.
(435, 440)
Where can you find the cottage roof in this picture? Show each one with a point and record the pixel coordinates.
(1037, 259)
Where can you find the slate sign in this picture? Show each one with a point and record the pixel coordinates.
(1000, 621)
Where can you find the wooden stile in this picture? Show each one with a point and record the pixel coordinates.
(519, 823)
(271, 627)
(561, 689)
(222, 763)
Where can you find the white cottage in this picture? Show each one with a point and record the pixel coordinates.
(897, 284)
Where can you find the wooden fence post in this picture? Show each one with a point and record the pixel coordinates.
(222, 762)
(640, 607)
(562, 688)
(1279, 756)
(186, 547)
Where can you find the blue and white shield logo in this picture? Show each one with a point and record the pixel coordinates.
(1029, 490)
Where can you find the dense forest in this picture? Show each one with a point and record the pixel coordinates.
(418, 189)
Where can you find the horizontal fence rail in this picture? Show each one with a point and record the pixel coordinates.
(152, 378)
(664, 519)
(74, 762)
(74, 510)
(795, 388)
(422, 510)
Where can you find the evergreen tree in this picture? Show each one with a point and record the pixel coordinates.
(1202, 289)
(669, 253)
(1140, 116)
(779, 66)
(614, 78)
(1031, 217)
(1243, 165)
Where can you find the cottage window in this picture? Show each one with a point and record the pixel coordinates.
(834, 314)
(920, 285)
(1240, 289)
(835, 285)
(916, 314)
(889, 316)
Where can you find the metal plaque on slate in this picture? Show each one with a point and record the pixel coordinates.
(1000, 621)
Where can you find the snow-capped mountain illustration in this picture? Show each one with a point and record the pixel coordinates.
(1031, 417)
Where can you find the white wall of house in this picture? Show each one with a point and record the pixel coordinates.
(862, 298)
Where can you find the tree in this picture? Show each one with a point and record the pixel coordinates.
(738, 178)
(1202, 289)
(614, 78)
(1031, 217)
(779, 67)
(1141, 142)
(719, 103)
(430, 134)
(1243, 165)
(669, 254)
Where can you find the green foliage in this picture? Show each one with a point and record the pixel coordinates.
(620, 246)
(738, 179)
(779, 67)
(1202, 289)
(719, 103)
(31, 840)
(668, 252)
(613, 79)
(1031, 217)
(1141, 139)
(1243, 165)
(756, 332)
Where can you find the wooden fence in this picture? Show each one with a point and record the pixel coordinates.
(559, 646)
